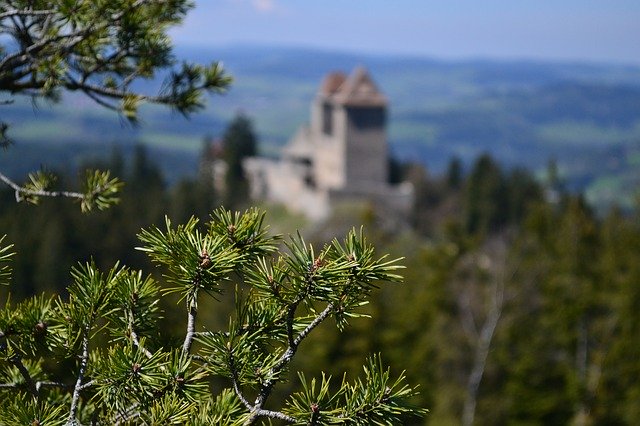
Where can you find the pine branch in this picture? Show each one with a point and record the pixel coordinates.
(19, 191)
(136, 341)
(16, 360)
(285, 359)
(191, 325)
(84, 360)
(101, 189)
(26, 12)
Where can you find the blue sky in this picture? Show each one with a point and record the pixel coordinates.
(583, 30)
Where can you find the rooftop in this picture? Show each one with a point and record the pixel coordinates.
(358, 89)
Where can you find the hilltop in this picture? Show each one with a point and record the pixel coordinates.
(524, 113)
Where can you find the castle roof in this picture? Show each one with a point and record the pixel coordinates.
(332, 82)
(358, 89)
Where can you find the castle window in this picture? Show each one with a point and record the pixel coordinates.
(327, 119)
(366, 117)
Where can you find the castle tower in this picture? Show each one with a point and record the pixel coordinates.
(341, 158)
(348, 126)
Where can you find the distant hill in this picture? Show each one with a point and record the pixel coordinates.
(585, 116)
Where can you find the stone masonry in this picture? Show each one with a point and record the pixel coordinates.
(342, 156)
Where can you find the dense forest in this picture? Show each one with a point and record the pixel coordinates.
(518, 304)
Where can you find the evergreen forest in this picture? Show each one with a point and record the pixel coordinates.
(519, 302)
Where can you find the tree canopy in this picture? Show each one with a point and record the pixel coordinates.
(100, 48)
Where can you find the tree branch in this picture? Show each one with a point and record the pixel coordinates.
(26, 12)
(136, 341)
(286, 357)
(84, 360)
(236, 385)
(191, 325)
(275, 415)
(19, 190)
(16, 360)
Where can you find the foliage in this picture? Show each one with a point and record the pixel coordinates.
(5, 255)
(238, 142)
(564, 349)
(99, 48)
(119, 372)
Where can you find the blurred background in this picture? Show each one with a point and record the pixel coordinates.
(518, 124)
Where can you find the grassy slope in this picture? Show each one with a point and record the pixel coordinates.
(521, 112)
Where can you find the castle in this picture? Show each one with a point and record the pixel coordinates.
(342, 156)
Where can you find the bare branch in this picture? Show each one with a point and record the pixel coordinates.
(84, 360)
(275, 415)
(136, 341)
(191, 327)
(9, 385)
(236, 385)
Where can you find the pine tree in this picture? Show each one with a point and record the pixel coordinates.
(106, 334)
(100, 48)
(239, 142)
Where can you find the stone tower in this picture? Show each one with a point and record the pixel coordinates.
(348, 120)
(341, 157)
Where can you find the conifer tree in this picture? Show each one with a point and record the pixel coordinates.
(100, 48)
(105, 333)
(239, 142)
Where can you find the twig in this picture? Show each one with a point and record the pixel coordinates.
(9, 385)
(191, 326)
(31, 385)
(136, 341)
(50, 385)
(26, 12)
(38, 385)
(84, 359)
(276, 415)
(19, 190)
(126, 415)
(236, 385)
(286, 357)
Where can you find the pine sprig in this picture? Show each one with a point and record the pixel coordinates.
(90, 299)
(376, 399)
(280, 301)
(195, 261)
(25, 330)
(5, 257)
(24, 410)
(100, 190)
(136, 300)
(126, 376)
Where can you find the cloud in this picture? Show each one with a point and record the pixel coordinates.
(264, 5)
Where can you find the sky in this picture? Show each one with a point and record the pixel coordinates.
(567, 30)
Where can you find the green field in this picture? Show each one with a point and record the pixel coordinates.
(522, 113)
